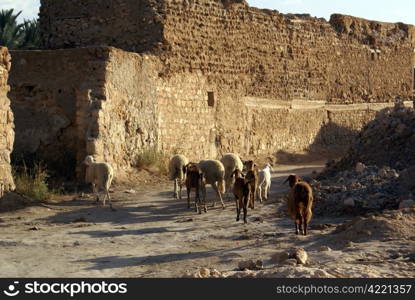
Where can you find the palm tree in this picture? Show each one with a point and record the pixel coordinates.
(31, 35)
(18, 36)
(11, 34)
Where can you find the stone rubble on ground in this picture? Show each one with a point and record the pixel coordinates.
(250, 265)
(377, 171)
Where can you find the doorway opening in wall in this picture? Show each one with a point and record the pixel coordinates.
(211, 99)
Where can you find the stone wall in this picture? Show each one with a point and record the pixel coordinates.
(115, 104)
(53, 94)
(126, 24)
(260, 53)
(187, 122)
(128, 119)
(6, 126)
(87, 101)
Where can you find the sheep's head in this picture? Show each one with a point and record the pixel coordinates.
(293, 180)
(89, 160)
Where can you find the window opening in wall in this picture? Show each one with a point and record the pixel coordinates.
(211, 99)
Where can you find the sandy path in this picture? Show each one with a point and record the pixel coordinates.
(153, 235)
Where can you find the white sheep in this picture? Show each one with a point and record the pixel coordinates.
(264, 181)
(177, 173)
(100, 175)
(213, 174)
(231, 162)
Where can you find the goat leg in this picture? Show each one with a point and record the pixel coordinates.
(203, 187)
(245, 210)
(237, 208)
(267, 192)
(260, 193)
(198, 202)
(188, 197)
(255, 194)
(305, 226)
(109, 201)
(252, 195)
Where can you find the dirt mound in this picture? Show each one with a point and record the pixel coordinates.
(389, 226)
(376, 173)
(388, 140)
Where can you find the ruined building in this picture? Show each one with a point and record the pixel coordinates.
(201, 77)
(6, 126)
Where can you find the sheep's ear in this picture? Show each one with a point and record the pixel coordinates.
(286, 180)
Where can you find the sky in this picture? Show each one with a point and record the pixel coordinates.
(380, 10)
(29, 8)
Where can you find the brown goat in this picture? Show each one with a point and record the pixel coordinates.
(194, 180)
(241, 191)
(300, 202)
(252, 177)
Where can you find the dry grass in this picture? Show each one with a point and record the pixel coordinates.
(152, 160)
(33, 182)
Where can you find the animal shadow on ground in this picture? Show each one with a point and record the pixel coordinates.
(111, 262)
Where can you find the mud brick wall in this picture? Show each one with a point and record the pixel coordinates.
(187, 122)
(126, 24)
(128, 119)
(259, 53)
(114, 104)
(53, 95)
(88, 101)
(6, 125)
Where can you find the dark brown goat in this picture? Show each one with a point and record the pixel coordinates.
(253, 177)
(194, 180)
(300, 202)
(241, 191)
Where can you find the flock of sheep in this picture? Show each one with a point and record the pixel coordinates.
(228, 175)
(244, 180)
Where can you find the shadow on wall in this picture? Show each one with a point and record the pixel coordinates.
(331, 142)
(44, 130)
(59, 168)
(387, 140)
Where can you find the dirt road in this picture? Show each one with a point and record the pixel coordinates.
(153, 235)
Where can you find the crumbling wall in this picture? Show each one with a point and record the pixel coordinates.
(52, 93)
(6, 126)
(114, 104)
(128, 119)
(88, 101)
(132, 25)
(260, 53)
